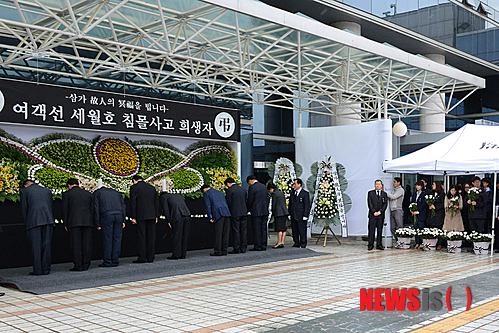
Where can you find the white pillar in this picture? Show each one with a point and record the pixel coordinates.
(351, 113)
(434, 123)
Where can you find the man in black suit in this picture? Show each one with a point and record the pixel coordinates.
(377, 201)
(144, 213)
(218, 214)
(259, 209)
(178, 216)
(36, 204)
(236, 200)
(77, 218)
(109, 218)
(299, 209)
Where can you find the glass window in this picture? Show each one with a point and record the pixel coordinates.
(365, 5)
(384, 8)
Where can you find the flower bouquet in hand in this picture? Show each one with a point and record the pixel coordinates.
(413, 207)
(455, 203)
(473, 195)
(430, 200)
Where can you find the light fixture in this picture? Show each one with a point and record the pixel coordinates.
(399, 129)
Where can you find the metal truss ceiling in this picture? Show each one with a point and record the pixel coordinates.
(240, 50)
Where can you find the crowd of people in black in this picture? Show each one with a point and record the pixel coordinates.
(105, 210)
(455, 210)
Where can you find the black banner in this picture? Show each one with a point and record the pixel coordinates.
(46, 105)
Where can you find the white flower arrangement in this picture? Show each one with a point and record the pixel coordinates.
(326, 207)
(455, 204)
(283, 179)
(473, 194)
(405, 232)
(430, 200)
(430, 233)
(121, 185)
(413, 207)
(454, 235)
(478, 237)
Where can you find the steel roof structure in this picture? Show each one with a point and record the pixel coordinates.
(241, 50)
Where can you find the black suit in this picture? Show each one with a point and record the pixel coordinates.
(376, 203)
(145, 209)
(299, 208)
(259, 209)
(77, 218)
(109, 215)
(179, 216)
(236, 200)
(36, 204)
(477, 217)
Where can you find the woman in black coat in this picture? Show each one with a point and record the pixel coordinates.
(280, 213)
(437, 220)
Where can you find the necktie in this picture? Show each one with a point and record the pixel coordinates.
(377, 193)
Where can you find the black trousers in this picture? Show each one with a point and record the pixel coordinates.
(222, 229)
(260, 231)
(40, 240)
(477, 225)
(181, 229)
(112, 232)
(375, 225)
(146, 240)
(80, 240)
(299, 229)
(488, 222)
(239, 227)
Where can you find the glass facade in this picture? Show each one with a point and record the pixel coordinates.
(455, 26)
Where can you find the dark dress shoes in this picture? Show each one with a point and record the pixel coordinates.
(380, 248)
(182, 257)
(139, 261)
(173, 258)
(2, 294)
(296, 245)
(216, 254)
(104, 265)
(253, 249)
(370, 248)
(76, 269)
(234, 252)
(303, 246)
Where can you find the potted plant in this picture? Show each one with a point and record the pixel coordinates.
(404, 236)
(430, 237)
(481, 242)
(454, 240)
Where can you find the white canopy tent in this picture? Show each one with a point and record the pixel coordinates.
(470, 150)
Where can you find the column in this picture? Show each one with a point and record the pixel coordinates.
(434, 123)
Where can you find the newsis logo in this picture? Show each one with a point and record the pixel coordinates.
(381, 299)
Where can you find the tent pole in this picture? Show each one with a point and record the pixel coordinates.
(493, 214)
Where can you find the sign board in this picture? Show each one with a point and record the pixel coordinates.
(65, 107)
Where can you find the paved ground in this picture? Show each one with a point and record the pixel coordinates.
(312, 294)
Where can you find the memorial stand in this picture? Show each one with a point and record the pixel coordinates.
(326, 229)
